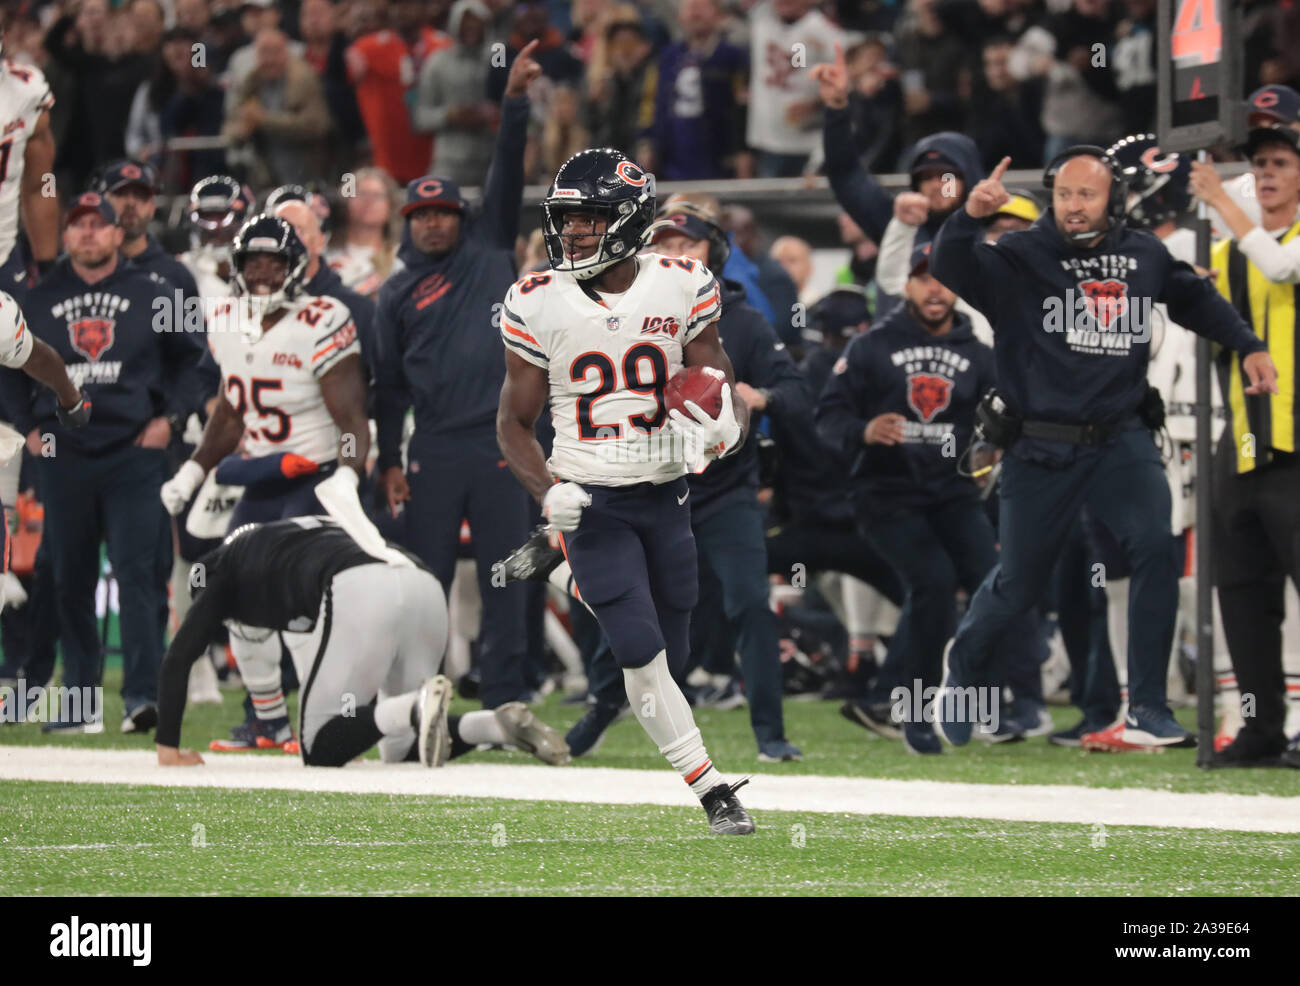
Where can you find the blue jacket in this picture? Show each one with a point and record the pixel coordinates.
(105, 334)
(438, 345)
(1065, 352)
(934, 382)
(761, 360)
(158, 261)
(743, 271)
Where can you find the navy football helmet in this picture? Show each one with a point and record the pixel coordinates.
(607, 183)
(1157, 182)
(273, 235)
(219, 205)
(315, 201)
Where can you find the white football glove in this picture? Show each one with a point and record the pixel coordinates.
(706, 438)
(178, 490)
(563, 505)
(12, 593)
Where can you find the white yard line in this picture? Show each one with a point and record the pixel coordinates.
(848, 795)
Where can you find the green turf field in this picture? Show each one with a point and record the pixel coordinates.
(831, 746)
(93, 839)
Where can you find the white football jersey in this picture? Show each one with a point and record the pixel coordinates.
(608, 364)
(24, 96)
(355, 267)
(203, 264)
(272, 378)
(15, 337)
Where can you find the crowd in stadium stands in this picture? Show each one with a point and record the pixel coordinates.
(387, 91)
(694, 89)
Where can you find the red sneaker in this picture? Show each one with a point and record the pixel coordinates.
(1111, 740)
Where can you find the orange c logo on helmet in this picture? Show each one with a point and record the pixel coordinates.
(430, 188)
(1265, 100)
(1157, 162)
(630, 173)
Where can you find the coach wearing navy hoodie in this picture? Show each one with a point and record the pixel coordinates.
(438, 351)
(1070, 301)
(101, 482)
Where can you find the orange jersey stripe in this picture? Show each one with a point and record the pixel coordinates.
(521, 334)
(319, 353)
(707, 302)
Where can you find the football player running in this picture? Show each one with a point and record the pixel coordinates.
(294, 394)
(599, 336)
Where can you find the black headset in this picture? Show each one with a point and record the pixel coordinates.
(1117, 205)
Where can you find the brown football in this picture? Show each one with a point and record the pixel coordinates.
(697, 384)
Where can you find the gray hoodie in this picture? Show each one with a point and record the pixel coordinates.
(456, 76)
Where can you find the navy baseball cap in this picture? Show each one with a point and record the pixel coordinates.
(1274, 133)
(427, 191)
(933, 161)
(841, 312)
(91, 202)
(1282, 103)
(689, 224)
(920, 258)
(121, 174)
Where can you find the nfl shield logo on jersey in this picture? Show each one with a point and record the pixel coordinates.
(613, 323)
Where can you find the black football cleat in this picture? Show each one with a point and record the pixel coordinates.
(727, 816)
(533, 560)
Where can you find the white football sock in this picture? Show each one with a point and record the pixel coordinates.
(481, 727)
(664, 714)
(257, 652)
(561, 578)
(393, 715)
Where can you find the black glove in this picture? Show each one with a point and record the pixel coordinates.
(75, 416)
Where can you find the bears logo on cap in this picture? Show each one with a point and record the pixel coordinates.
(131, 172)
(1266, 100)
(429, 188)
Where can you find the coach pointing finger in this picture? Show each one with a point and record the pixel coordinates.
(988, 196)
(1070, 300)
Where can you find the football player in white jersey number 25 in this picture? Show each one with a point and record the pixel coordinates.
(292, 383)
(599, 336)
(290, 367)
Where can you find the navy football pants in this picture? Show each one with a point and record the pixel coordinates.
(634, 563)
